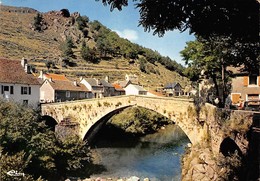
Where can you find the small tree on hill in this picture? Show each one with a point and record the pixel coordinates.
(87, 53)
(37, 24)
(66, 48)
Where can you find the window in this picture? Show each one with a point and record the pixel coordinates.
(253, 80)
(67, 93)
(26, 90)
(7, 89)
(251, 97)
(25, 102)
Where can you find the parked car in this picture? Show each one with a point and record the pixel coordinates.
(253, 105)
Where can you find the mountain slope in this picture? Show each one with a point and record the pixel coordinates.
(116, 56)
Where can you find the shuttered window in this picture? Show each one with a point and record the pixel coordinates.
(26, 90)
(246, 81)
(235, 98)
(11, 89)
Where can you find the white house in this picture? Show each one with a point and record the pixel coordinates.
(132, 89)
(17, 83)
(60, 90)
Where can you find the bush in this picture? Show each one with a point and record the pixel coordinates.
(28, 146)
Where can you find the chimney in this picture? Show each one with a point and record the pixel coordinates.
(27, 68)
(107, 79)
(41, 74)
(81, 78)
(23, 62)
(50, 79)
(75, 83)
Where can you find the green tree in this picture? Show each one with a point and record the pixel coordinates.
(222, 17)
(142, 65)
(87, 53)
(66, 47)
(213, 58)
(37, 24)
(26, 145)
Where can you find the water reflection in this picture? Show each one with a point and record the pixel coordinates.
(156, 156)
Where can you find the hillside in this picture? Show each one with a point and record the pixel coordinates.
(113, 56)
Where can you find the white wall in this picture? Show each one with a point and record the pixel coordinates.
(33, 98)
(84, 82)
(47, 93)
(131, 90)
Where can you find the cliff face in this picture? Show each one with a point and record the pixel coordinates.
(224, 153)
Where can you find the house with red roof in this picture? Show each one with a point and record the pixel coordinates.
(118, 89)
(50, 76)
(17, 83)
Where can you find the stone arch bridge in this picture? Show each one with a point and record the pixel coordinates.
(92, 113)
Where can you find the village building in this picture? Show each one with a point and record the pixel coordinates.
(154, 94)
(99, 88)
(60, 90)
(245, 87)
(17, 83)
(133, 89)
(173, 89)
(118, 90)
(50, 76)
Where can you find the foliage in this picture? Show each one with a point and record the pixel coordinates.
(66, 47)
(37, 24)
(142, 64)
(212, 57)
(29, 147)
(65, 12)
(87, 53)
(223, 18)
(82, 22)
(139, 121)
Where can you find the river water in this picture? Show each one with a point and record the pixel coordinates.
(156, 156)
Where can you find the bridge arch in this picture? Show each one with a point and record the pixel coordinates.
(49, 121)
(91, 132)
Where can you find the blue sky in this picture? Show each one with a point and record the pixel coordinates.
(124, 22)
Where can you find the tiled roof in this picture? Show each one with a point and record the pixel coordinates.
(138, 87)
(67, 86)
(105, 83)
(171, 85)
(11, 71)
(118, 87)
(124, 83)
(92, 81)
(156, 93)
(56, 77)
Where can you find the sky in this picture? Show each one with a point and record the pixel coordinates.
(124, 22)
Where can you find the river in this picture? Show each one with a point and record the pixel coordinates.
(155, 156)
